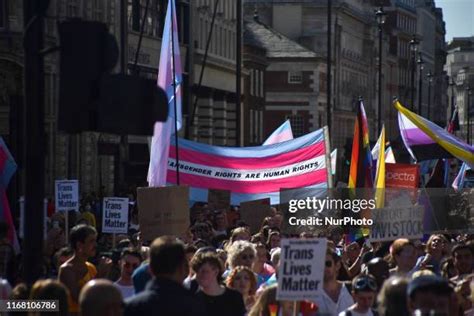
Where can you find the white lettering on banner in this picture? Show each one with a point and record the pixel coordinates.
(287, 171)
(400, 176)
(115, 217)
(301, 269)
(392, 223)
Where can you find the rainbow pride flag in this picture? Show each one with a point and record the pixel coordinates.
(360, 174)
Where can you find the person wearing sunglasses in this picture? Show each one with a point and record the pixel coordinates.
(130, 260)
(335, 297)
(242, 253)
(364, 291)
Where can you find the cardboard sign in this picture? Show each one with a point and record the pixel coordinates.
(67, 195)
(218, 199)
(115, 215)
(399, 175)
(254, 212)
(301, 273)
(393, 223)
(163, 211)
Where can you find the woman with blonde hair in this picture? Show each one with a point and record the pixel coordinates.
(436, 249)
(243, 280)
(242, 253)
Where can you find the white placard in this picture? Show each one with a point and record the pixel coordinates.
(392, 223)
(115, 215)
(301, 272)
(67, 195)
(21, 231)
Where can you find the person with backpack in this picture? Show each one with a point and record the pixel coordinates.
(364, 292)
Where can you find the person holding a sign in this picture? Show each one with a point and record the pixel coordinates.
(77, 271)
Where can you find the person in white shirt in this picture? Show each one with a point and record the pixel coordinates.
(335, 297)
(364, 291)
(129, 261)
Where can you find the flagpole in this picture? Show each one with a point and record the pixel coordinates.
(174, 94)
(328, 156)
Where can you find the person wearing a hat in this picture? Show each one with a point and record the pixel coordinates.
(429, 294)
(364, 291)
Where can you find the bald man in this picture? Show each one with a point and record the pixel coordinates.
(100, 297)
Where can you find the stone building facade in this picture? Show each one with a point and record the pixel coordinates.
(113, 161)
(460, 71)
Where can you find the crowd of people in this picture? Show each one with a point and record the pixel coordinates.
(220, 267)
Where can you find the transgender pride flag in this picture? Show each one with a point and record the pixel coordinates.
(281, 134)
(251, 173)
(170, 61)
(7, 169)
(459, 180)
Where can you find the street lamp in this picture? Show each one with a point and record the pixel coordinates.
(469, 92)
(380, 16)
(429, 77)
(420, 63)
(413, 48)
(452, 84)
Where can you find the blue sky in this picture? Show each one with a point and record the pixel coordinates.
(459, 17)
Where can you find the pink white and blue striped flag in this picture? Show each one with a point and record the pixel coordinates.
(281, 134)
(458, 182)
(160, 143)
(7, 169)
(251, 173)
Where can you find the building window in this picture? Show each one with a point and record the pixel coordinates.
(261, 84)
(98, 10)
(257, 83)
(295, 77)
(3, 14)
(72, 8)
(153, 20)
(297, 125)
(251, 81)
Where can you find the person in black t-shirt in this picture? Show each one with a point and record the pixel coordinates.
(218, 299)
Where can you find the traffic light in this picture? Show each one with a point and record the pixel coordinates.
(90, 98)
(130, 105)
(83, 60)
